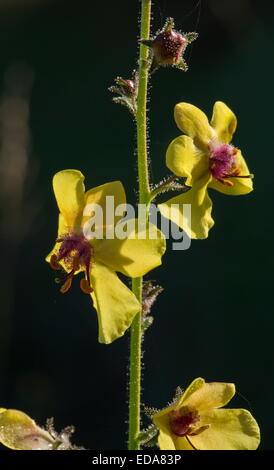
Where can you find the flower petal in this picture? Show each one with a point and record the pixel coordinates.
(229, 430)
(19, 432)
(195, 385)
(62, 230)
(224, 122)
(136, 255)
(210, 395)
(116, 305)
(240, 185)
(193, 122)
(182, 444)
(186, 160)
(196, 199)
(108, 196)
(165, 439)
(69, 190)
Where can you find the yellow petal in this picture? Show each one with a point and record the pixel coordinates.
(229, 430)
(62, 230)
(116, 305)
(240, 185)
(196, 199)
(193, 122)
(19, 432)
(184, 159)
(210, 395)
(182, 444)
(2, 409)
(107, 196)
(196, 384)
(224, 122)
(133, 256)
(165, 439)
(69, 190)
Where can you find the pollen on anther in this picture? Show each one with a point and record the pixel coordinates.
(54, 263)
(66, 286)
(85, 287)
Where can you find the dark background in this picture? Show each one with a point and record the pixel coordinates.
(215, 318)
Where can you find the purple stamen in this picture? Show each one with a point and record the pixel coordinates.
(222, 159)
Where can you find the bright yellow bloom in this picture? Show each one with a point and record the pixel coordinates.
(195, 421)
(100, 258)
(19, 432)
(206, 159)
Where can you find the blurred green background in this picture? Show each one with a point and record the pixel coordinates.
(215, 317)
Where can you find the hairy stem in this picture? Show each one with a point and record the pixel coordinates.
(135, 371)
(144, 196)
(141, 117)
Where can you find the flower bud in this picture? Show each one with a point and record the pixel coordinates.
(127, 91)
(168, 47)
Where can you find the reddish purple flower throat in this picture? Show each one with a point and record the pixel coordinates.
(76, 253)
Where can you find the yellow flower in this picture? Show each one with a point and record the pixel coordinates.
(19, 432)
(99, 258)
(195, 421)
(206, 158)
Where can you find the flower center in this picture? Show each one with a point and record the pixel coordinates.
(223, 163)
(76, 253)
(183, 421)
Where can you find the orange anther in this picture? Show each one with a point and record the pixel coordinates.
(54, 263)
(236, 172)
(85, 287)
(226, 182)
(66, 286)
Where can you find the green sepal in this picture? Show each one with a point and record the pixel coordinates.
(147, 322)
(169, 24)
(191, 36)
(182, 65)
(149, 437)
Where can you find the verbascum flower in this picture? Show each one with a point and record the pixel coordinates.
(195, 420)
(20, 432)
(207, 159)
(100, 258)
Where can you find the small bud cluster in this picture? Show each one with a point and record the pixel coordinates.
(61, 441)
(150, 294)
(127, 91)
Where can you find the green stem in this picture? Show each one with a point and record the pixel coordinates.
(141, 116)
(135, 370)
(144, 196)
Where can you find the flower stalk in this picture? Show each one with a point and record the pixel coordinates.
(144, 196)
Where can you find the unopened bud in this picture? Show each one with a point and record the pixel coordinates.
(168, 47)
(127, 91)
